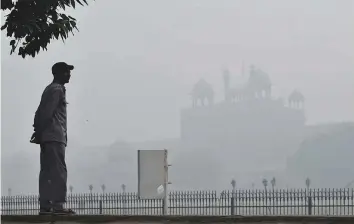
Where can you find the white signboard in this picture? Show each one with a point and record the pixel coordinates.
(152, 174)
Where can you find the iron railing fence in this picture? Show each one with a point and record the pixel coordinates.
(279, 202)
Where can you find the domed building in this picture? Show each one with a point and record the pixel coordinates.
(296, 100)
(249, 129)
(202, 92)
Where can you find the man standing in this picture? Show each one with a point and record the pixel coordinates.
(50, 131)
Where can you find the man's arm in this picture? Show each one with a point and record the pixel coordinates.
(47, 107)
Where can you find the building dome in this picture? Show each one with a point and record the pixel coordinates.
(296, 96)
(259, 82)
(202, 91)
(296, 99)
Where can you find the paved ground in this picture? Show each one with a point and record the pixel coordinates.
(66, 222)
(175, 220)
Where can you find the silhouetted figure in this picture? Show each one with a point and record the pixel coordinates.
(50, 131)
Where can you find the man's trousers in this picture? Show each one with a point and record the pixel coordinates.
(53, 175)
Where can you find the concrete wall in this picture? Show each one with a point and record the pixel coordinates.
(263, 131)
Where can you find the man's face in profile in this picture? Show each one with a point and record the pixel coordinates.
(66, 76)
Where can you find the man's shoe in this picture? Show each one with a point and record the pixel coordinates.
(63, 211)
(45, 211)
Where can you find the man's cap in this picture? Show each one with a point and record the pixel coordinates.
(60, 67)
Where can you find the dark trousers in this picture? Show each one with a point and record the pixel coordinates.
(53, 175)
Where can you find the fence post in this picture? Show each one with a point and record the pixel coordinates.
(163, 207)
(233, 203)
(100, 207)
(309, 201)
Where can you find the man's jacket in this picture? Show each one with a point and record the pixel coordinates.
(50, 120)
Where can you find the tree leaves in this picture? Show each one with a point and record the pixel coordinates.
(73, 3)
(34, 23)
(6, 4)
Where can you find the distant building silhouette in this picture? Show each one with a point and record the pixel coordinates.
(248, 127)
(202, 91)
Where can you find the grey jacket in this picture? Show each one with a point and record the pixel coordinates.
(50, 120)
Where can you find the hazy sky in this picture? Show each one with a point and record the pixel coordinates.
(136, 61)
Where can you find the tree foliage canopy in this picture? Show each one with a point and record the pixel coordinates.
(32, 24)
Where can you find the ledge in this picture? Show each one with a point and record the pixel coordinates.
(177, 219)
